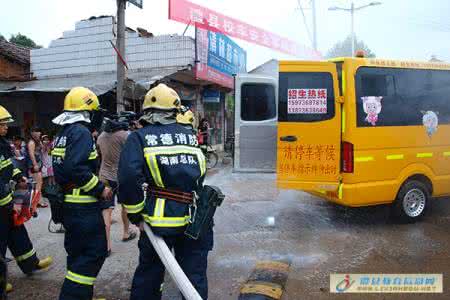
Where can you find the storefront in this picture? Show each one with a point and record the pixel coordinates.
(213, 106)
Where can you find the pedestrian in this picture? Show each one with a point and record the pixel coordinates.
(14, 237)
(164, 155)
(74, 163)
(203, 128)
(47, 167)
(110, 143)
(18, 146)
(34, 159)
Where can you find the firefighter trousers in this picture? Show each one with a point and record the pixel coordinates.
(192, 255)
(17, 240)
(86, 247)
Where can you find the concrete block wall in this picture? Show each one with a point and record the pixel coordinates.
(87, 49)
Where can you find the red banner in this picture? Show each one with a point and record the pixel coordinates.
(189, 13)
(205, 72)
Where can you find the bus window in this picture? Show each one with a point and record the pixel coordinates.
(379, 85)
(257, 102)
(305, 81)
(406, 95)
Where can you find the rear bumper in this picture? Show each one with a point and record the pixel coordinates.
(352, 195)
(369, 193)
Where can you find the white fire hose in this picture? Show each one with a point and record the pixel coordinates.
(169, 261)
(171, 264)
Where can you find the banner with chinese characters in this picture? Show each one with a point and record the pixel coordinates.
(308, 160)
(307, 101)
(189, 13)
(218, 58)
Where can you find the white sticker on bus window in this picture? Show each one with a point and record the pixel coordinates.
(372, 107)
(307, 101)
(430, 120)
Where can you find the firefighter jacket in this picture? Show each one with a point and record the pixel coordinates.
(163, 156)
(7, 172)
(74, 160)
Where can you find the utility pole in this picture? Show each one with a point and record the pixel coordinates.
(121, 47)
(352, 10)
(313, 5)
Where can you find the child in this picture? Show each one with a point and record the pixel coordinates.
(47, 168)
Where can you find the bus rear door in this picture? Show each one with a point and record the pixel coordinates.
(255, 123)
(309, 127)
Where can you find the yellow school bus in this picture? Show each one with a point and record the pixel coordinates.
(360, 132)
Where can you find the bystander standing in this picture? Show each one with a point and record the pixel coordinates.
(34, 159)
(110, 143)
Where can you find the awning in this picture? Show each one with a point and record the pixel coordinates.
(100, 83)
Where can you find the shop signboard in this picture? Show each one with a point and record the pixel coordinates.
(218, 58)
(211, 96)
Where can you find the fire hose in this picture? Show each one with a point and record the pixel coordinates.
(172, 266)
(169, 261)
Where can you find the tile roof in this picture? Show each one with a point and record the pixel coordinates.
(16, 53)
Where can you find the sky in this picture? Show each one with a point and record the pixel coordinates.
(396, 29)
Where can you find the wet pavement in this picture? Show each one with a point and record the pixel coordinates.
(317, 237)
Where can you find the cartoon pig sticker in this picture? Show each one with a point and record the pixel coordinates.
(372, 107)
(430, 121)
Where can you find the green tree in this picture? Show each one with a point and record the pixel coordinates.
(344, 48)
(23, 40)
(2, 37)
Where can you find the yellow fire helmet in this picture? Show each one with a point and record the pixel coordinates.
(186, 118)
(161, 97)
(5, 116)
(81, 99)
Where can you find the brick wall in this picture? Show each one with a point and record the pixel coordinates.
(9, 69)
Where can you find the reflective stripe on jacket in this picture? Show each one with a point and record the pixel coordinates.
(165, 156)
(7, 172)
(74, 161)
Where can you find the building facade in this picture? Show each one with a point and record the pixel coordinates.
(85, 56)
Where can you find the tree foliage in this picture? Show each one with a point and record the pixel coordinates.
(23, 40)
(344, 48)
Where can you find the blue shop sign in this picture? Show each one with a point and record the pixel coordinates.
(225, 55)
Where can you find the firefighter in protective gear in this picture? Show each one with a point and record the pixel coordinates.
(186, 118)
(75, 163)
(164, 155)
(13, 237)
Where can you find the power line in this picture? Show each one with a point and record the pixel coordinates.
(305, 21)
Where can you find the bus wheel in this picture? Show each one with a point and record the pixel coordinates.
(412, 201)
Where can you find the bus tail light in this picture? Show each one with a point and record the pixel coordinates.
(347, 157)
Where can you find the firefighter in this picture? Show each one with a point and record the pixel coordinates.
(186, 118)
(74, 162)
(13, 237)
(164, 155)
